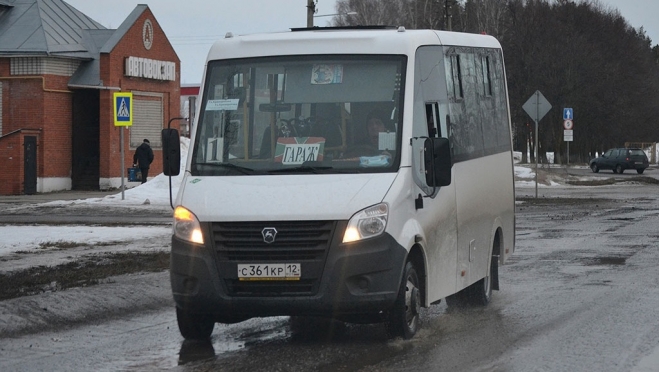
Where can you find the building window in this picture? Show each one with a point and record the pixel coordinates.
(26, 66)
(43, 66)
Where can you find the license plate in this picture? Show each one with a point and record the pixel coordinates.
(277, 271)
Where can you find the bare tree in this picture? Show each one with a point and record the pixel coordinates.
(411, 14)
(486, 16)
(579, 53)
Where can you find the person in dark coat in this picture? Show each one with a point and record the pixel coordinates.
(143, 157)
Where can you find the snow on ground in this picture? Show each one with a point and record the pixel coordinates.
(29, 238)
(156, 190)
(48, 238)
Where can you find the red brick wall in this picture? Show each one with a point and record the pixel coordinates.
(12, 157)
(45, 104)
(112, 73)
(11, 175)
(56, 150)
(22, 108)
(4, 67)
(41, 103)
(37, 103)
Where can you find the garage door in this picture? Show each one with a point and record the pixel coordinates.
(147, 121)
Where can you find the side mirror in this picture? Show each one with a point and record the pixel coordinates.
(438, 163)
(171, 152)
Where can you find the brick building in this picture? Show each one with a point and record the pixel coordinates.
(59, 70)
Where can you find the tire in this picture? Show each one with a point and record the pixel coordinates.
(480, 293)
(194, 326)
(458, 300)
(640, 170)
(404, 320)
(619, 169)
(477, 294)
(594, 168)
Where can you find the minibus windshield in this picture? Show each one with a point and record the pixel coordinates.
(300, 115)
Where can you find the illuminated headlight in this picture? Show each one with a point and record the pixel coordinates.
(186, 226)
(367, 223)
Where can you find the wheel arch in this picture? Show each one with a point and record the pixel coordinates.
(496, 256)
(418, 259)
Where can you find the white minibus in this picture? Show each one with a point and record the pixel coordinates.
(356, 174)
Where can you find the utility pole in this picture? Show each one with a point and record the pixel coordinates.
(447, 14)
(311, 10)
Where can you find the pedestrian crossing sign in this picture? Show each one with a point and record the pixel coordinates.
(123, 109)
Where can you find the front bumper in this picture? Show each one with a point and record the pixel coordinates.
(340, 280)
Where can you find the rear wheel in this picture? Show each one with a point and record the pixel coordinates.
(477, 294)
(458, 300)
(619, 169)
(594, 168)
(404, 317)
(480, 293)
(194, 326)
(640, 170)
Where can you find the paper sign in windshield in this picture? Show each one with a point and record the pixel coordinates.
(222, 104)
(387, 141)
(297, 150)
(327, 74)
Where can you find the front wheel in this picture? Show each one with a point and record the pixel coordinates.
(404, 316)
(194, 326)
(594, 168)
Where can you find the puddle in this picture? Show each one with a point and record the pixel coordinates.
(606, 261)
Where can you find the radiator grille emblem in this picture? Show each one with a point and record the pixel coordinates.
(269, 234)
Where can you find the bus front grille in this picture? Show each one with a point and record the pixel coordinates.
(303, 242)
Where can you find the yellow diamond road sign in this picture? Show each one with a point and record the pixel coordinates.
(123, 109)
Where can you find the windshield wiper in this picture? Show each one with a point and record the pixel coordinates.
(303, 169)
(243, 170)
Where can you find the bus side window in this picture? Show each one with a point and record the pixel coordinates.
(432, 119)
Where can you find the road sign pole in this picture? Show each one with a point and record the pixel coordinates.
(537, 153)
(123, 116)
(536, 106)
(536, 159)
(121, 136)
(568, 153)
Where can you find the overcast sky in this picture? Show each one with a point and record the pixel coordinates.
(193, 25)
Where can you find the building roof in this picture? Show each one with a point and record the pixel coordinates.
(43, 27)
(123, 28)
(88, 74)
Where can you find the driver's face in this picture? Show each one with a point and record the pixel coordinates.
(375, 126)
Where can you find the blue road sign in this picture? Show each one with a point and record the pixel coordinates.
(568, 114)
(123, 109)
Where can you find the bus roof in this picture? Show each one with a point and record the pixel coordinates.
(342, 41)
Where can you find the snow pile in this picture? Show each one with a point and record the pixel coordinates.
(155, 191)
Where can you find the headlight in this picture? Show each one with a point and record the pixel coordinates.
(367, 223)
(186, 226)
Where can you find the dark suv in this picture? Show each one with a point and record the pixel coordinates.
(620, 159)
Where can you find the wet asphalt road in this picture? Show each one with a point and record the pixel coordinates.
(580, 294)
